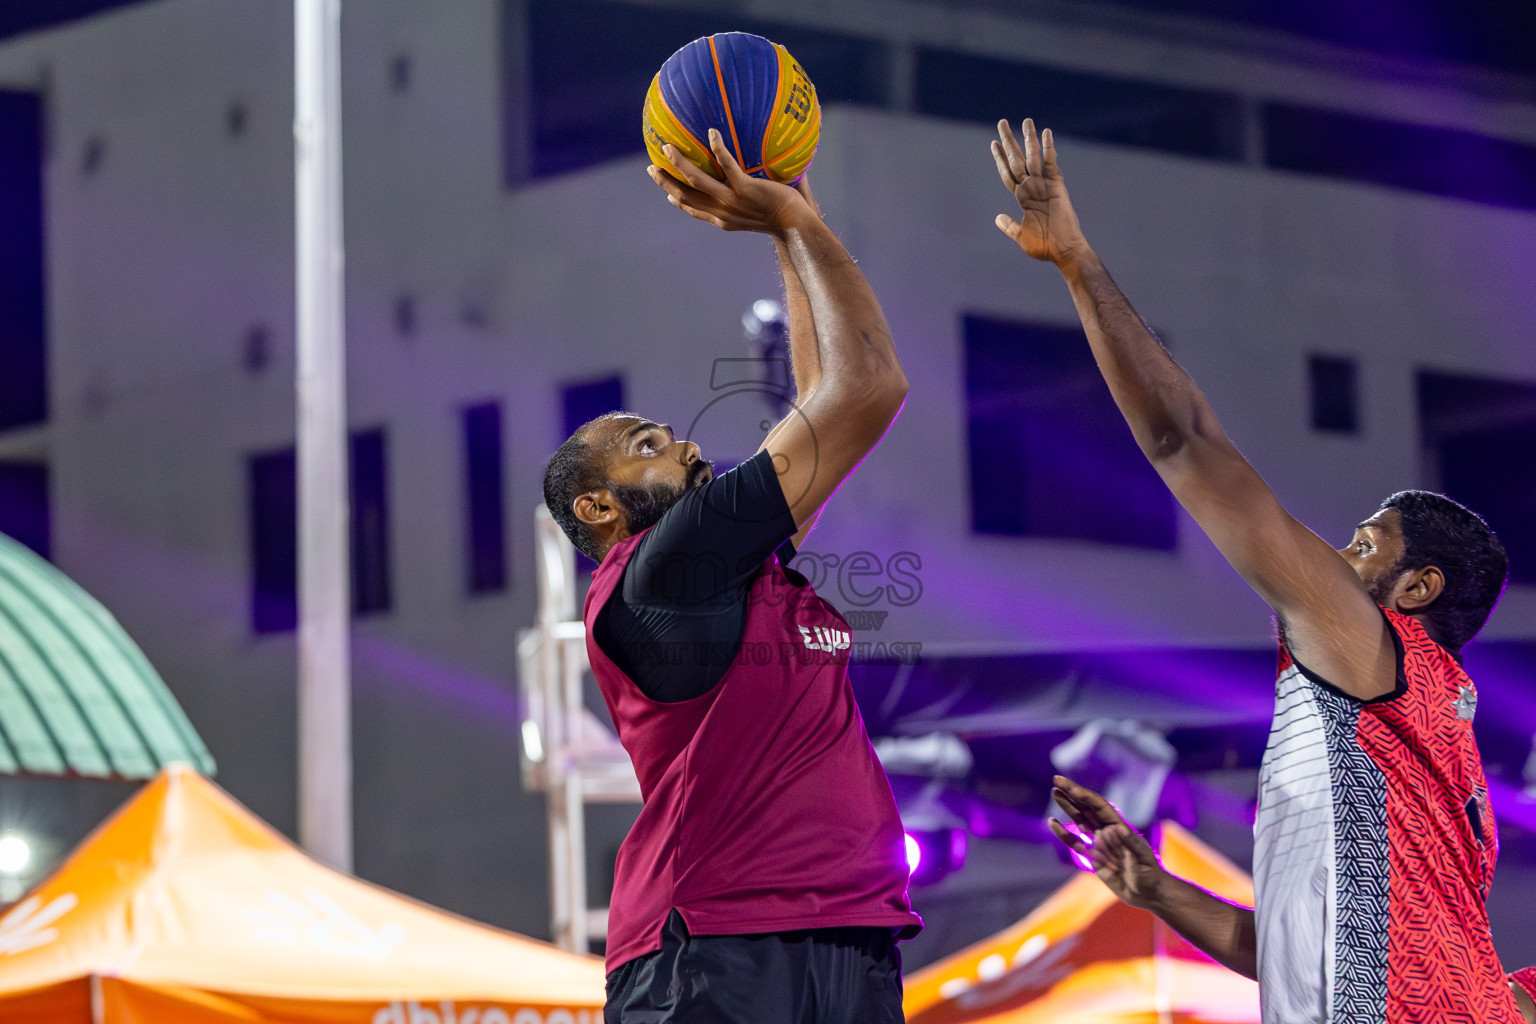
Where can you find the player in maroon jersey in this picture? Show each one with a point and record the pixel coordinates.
(765, 878)
(1375, 844)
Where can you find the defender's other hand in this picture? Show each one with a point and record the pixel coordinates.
(1047, 228)
(739, 203)
(1118, 854)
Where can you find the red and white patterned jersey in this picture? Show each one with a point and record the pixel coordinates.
(1374, 850)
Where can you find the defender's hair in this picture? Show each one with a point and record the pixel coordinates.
(574, 469)
(1437, 531)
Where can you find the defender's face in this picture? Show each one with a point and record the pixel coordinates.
(647, 455)
(1374, 551)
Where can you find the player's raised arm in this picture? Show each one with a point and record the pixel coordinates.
(861, 385)
(804, 359)
(1331, 623)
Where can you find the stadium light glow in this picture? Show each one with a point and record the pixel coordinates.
(15, 854)
(533, 741)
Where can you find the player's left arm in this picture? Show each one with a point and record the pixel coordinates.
(804, 355)
(1331, 623)
(862, 386)
(804, 361)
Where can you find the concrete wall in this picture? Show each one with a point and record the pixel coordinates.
(166, 255)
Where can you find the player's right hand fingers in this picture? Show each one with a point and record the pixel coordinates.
(1070, 840)
(1001, 160)
(1011, 151)
(1048, 147)
(679, 192)
(1076, 813)
(692, 175)
(733, 172)
(672, 187)
(1092, 804)
(1032, 159)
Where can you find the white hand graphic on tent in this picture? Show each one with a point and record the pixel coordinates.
(29, 924)
(319, 921)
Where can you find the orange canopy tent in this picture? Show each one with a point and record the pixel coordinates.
(1083, 957)
(184, 908)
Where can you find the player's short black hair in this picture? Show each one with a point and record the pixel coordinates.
(1440, 532)
(574, 469)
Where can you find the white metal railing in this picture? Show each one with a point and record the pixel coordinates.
(568, 754)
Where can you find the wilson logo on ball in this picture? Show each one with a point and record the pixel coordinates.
(746, 87)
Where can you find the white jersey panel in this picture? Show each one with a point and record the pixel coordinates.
(1293, 861)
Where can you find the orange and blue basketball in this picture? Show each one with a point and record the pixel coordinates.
(751, 90)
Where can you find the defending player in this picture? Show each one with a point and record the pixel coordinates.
(1374, 845)
(765, 879)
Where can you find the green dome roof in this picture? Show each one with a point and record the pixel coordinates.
(77, 696)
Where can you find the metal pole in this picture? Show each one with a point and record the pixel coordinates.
(325, 721)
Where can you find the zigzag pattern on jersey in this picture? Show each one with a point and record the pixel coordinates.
(1361, 874)
(1442, 964)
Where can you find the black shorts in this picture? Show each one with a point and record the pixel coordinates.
(821, 975)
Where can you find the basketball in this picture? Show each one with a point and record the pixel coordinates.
(751, 90)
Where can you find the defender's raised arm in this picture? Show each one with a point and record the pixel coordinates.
(1331, 623)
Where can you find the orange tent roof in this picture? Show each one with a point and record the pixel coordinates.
(184, 907)
(1084, 957)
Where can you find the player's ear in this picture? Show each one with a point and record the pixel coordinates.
(1424, 587)
(596, 507)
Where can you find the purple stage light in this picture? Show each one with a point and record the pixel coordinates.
(933, 855)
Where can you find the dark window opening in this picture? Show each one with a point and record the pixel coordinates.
(274, 524)
(1440, 161)
(1124, 111)
(370, 524)
(1479, 440)
(587, 400)
(579, 403)
(24, 505)
(487, 530)
(1490, 33)
(1050, 454)
(1334, 394)
(589, 63)
(23, 322)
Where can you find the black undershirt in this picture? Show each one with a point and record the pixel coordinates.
(674, 623)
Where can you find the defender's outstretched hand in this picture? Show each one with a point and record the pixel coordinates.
(1047, 228)
(740, 202)
(1121, 857)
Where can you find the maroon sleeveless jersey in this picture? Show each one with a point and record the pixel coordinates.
(765, 807)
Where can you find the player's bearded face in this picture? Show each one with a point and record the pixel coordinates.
(644, 506)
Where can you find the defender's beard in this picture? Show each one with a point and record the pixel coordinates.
(1380, 588)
